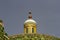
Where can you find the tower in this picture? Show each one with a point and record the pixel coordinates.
(30, 25)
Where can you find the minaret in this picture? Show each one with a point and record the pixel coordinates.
(30, 25)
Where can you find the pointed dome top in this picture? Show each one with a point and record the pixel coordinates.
(30, 16)
(30, 19)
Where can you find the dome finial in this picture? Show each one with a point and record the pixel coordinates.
(30, 15)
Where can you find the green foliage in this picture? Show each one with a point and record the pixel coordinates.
(33, 37)
(2, 33)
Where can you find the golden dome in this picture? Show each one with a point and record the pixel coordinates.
(30, 20)
(30, 25)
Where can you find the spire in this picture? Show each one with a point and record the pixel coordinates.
(30, 15)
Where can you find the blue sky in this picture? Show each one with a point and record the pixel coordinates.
(45, 12)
